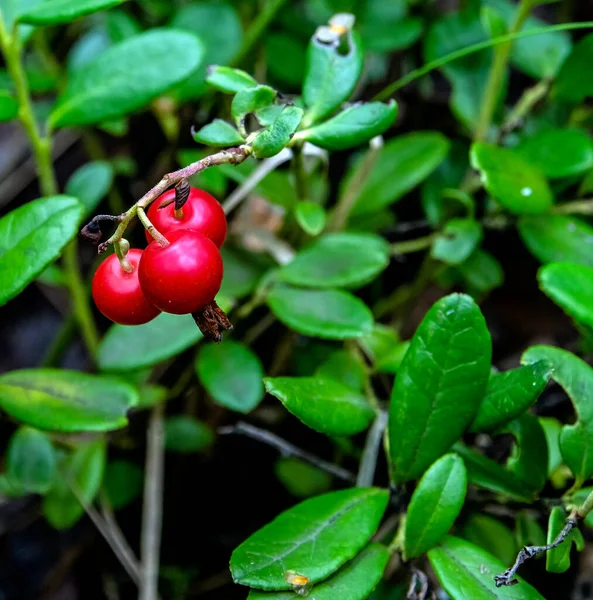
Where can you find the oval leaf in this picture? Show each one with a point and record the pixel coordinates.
(329, 314)
(491, 535)
(66, 400)
(278, 134)
(570, 85)
(31, 237)
(310, 216)
(558, 559)
(338, 260)
(458, 240)
(123, 483)
(325, 405)
(91, 183)
(185, 435)
(515, 183)
(229, 80)
(442, 379)
(435, 504)
(314, 538)
(54, 12)
(232, 375)
(127, 77)
(218, 133)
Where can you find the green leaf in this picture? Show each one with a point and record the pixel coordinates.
(127, 348)
(55, 12)
(285, 58)
(275, 137)
(127, 77)
(250, 99)
(82, 470)
(310, 216)
(515, 183)
(218, 133)
(229, 80)
(579, 497)
(9, 106)
(60, 400)
(559, 152)
(354, 581)
(123, 482)
(552, 428)
(241, 275)
(457, 241)
(330, 75)
(401, 165)
(558, 238)
(185, 434)
(481, 271)
(571, 287)
(435, 504)
(486, 473)
(385, 348)
(232, 375)
(576, 377)
(442, 379)
(528, 531)
(338, 260)
(314, 538)
(352, 127)
(558, 559)
(509, 395)
(32, 237)
(31, 460)
(570, 85)
(90, 184)
(300, 478)
(467, 571)
(324, 405)
(345, 367)
(491, 535)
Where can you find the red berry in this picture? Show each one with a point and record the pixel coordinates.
(185, 275)
(117, 293)
(201, 212)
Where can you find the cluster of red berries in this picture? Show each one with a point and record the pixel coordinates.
(181, 277)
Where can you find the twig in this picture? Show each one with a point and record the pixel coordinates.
(152, 512)
(576, 207)
(286, 448)
(508, 577)
(418, 578)
(368, 464)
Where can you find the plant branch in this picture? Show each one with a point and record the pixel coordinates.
(370, 454)
(286, 448)
(576, 207)
(531, 96)
(422, 243)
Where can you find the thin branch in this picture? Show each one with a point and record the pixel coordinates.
(286, 448)
(370, 454)
(508, 577)
(152, 512)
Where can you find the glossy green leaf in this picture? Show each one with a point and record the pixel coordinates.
(558, 238)
(232, 375)
(300, 478)
(218, 133)
(241, 273)
(457, 241)
(325, 405)
(467, 571)
(314, 538)
(329, 314)
(552, 428)
(82, 470)
(127, 77)
(90, 184)
(55, 12)
(435, 504)
(486, 473)
(285, 58)
(571, 287)
(276, 136)
(570, 84)
(558, 559)
(229, 80)
(510, 394)
(481, 272)
(442, 379)
(515, 183)
(32, 237)
(121, 25)
(490, 534)
(330, 75)
(576, 377)
(352, 127)
(385, 348)
(31, 460)
(559, 152)
(346, 367)
(528, 531)
(354, 581)
(310, 216)
(250, 99)
(123, 483)
(60, 400)
(9, 106)
(338, 260)
(402, 164)
(185, 434)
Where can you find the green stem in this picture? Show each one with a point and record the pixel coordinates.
(413, 245)
(497, 74)
(578, 207)
(528, 100)
(445, 60)
(586, 507)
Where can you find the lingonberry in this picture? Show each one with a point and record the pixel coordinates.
(184, 276)
(201, 212)
(117, 293)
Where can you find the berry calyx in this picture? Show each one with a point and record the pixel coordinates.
(117, 293)
(201, 212)
(184, 276)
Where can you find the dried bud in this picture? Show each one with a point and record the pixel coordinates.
(92, 232)
(212, 321)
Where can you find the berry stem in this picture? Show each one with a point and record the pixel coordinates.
(154, 232)
(121, 251)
